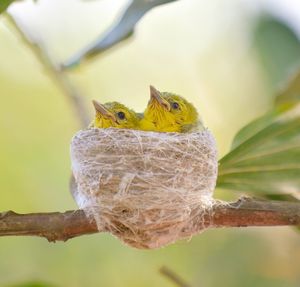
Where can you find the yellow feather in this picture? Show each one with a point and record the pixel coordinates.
(177, 115)
(115, 115)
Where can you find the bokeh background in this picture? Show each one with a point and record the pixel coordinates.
(228, 57)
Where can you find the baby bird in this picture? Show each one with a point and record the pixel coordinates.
(168, 112)
(114, 115)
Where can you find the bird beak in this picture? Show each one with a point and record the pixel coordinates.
(156, 95)
(104, 111)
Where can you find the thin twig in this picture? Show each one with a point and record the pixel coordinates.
(57, 226)
(173, 277)
(38, 48)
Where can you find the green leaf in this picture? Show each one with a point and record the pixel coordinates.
(281, 197)
(254, 127)
(4, 5)
(278, 48)
(118, 32)
(290, 93)
(265, 158)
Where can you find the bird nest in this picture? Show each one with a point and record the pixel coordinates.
(149, 189)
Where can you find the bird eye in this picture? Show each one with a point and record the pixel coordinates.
(175, 106)
(121, 115)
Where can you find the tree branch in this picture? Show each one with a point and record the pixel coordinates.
(52, 68)
(252, 212)
(56, 226)
(172, 276)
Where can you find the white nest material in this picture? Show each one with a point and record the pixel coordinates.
(145, 187)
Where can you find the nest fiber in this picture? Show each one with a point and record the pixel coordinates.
(149, 189)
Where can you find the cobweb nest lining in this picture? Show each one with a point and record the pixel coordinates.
(146, 188)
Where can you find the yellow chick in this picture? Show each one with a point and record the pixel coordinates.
(168, 112)
(114, 115)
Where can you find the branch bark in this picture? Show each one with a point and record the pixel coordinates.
(56, 226)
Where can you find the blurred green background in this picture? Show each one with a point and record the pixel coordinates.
(228, 58)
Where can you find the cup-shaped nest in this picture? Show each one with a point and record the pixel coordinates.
(149, 189)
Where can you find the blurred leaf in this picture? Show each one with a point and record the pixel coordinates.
(4, 5)
(254, 127)
(265, 158)
(290, 93)
(278, 48)
(118, 32)
(281, 197)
